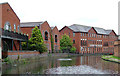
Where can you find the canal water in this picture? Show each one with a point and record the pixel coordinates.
(65, 65)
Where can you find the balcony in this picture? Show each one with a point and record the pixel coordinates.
(13, 35)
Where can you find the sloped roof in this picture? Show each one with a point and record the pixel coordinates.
(79, 28)
(100, 30)
(108, 31)
(83, 28)
(31, 24)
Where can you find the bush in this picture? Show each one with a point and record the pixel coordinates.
(73, 50)
(65, 43)
(24, 45)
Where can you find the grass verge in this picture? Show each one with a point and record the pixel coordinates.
(111, 58)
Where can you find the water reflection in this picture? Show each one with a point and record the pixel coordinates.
(41, 66)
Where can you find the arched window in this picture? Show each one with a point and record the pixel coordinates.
(46, 35)
(7, 26)
(18, 28)
(55, 38)
(14, 27)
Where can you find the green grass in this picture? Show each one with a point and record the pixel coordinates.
(115, 57)
(111, 58)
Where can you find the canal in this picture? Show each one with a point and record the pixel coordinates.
(65, 65)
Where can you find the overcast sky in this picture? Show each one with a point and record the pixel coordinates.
(98, 13)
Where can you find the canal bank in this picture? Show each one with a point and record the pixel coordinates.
(111, 58)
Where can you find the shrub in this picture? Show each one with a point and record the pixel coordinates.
(73, 50)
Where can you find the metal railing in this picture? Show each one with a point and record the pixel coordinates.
(13, 35)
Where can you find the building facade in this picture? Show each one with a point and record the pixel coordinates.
(56, 38)
(44, 27)
(10, 29)
(90, 39)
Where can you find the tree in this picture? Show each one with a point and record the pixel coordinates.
(36, 41)
(65, 43)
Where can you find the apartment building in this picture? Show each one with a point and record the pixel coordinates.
(10, 29)
(89, 39)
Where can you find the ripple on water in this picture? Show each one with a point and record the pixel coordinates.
(82, 69)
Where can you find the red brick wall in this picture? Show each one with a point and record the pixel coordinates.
(27, 30)
(55, 31)
(21, 53)
(45, 27)
(16, 45)
(9, 15)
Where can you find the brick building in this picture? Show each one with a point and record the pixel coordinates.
(10, 29)
(90, 39)
(56, 38)
(44, 27)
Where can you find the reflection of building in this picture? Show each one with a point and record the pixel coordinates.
(11, 32)
(90, 39)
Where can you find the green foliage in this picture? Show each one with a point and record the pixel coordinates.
(52, 44)
(24, 45)
(72, 50)
(7, 60)
(65, 42)
(36, 41)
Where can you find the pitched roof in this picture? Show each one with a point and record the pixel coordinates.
(108, 31)
(100, 30)
(79, 28)
(83, 28)
(31, 24)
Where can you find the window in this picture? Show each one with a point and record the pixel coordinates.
(55, 38)
(73, 41)
(81, 34)
(69, 34)
(7, 26)
(14, 27)
(81, 43)
(18, 29)
(46, 35)
(73, 34)
(90, 35)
